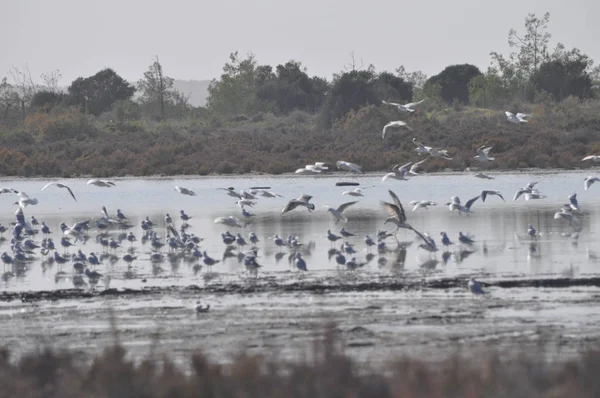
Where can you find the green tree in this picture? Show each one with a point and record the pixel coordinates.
(235, 92)
(97, 93)
(566, 74)
(156, 89)
(291, 88)
(454, 82)
(349, 90)
(488, 90)
(391, 87)
(47, 99)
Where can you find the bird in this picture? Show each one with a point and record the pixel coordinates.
(185, 191)
(455, 204)
(343, 165)
(531, 231)
(475, 287)
(184, 217)
(404, 108)
(483, 154)
(303, 200)
(589, 180)
(230, 221)
(464, 239)
(434, 152)
(396, 213)
(299, 262)
(199, 308)
(397, 123)
(422, 204)
(398, 172)
(354, 192)
(231, 192)
(58, 184)
(101, 183)
(487, 192)
(415, 167)
(338, 212)
(445, 239)
(25, 200)
(525, 190)
(8, 190)
(595, 158)
(516, 119)
(483, 176)
(428, 242)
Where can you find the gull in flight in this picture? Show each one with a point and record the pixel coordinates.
(8, 190)
(58, 184)
(589, 180)
(422, 204)
(566, 213)
(316, 168)
(396, 213)
(101, 183)
(483, 154)
(526, 190)
(339, 212)
(25, 200)
(483, 176)
(303, 200)
(516, 119)
(397, 123)
(185, 191)
(354, 192)
(595, 158)
(398, 172)
(230, 221)
(535, 194)
(487, 192)
(428, 242)
(343, 165)
(231, 192)
(455, 204)
(415, 167)
(434, 152)
(404, 108)
(574, 204)
(268, 194)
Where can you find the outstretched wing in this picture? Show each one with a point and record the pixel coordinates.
(344, 206)
(390, 103)
(411, 104)
(509, 114)
(47, 185)
(401, 213)
(471, 201)
(71, 192)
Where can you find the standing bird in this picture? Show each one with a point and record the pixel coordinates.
(397, 123)
(338, 213)
(184, 217)
(299, 262)
(58, 184)
(404, 108)
(531, 231)
(445, 240)
(185, 191)
(475, 287)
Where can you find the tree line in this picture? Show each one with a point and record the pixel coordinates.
(532, 72)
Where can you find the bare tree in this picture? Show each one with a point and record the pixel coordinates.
(50, 81)
(352, 65)
(23, 84)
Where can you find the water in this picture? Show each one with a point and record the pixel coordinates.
(493, 225)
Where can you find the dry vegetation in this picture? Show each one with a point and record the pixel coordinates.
(329, 372)
(65, 143)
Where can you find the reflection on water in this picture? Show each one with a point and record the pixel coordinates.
(499, 230)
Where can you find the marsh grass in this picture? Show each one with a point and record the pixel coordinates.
(325, 371)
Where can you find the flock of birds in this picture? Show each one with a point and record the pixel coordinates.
(113, 231)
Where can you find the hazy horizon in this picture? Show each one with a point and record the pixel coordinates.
(196, 39)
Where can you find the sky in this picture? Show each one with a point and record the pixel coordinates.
(193, 39)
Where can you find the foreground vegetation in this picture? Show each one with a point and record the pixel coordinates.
(329, 372)
(275, 120)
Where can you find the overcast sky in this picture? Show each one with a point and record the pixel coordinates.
(194, 38)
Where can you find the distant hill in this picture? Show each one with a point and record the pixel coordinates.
(196, 89)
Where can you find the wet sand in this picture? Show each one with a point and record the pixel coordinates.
(377, 317)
